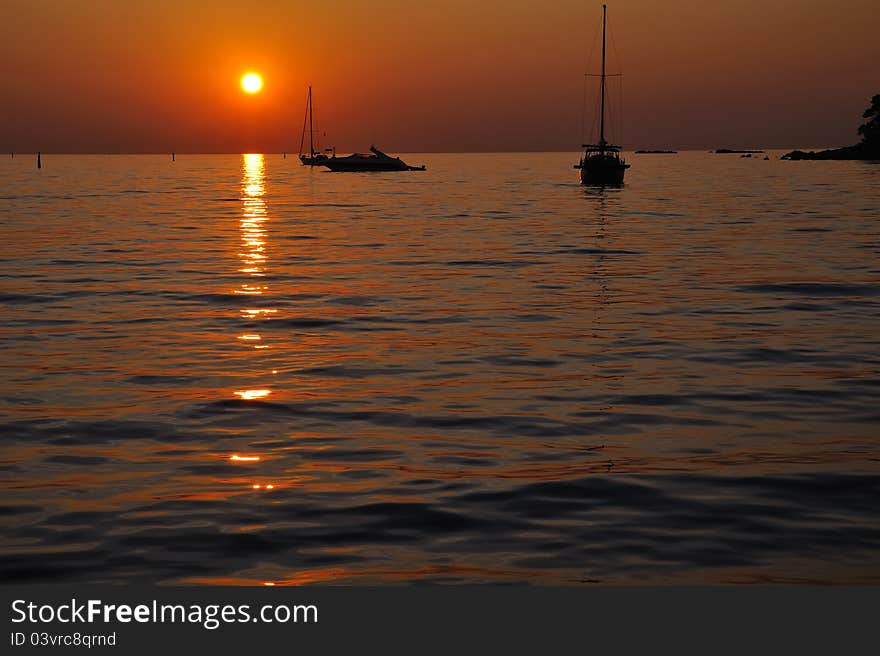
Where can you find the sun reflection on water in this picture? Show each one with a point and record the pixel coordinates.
(248, 395)
(253, 217)
(252, 313)
(253, 257)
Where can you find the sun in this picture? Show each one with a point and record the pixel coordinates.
(251, 83)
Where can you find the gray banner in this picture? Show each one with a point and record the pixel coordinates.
(466, 620)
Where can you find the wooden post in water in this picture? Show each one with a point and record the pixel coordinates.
(173, 158)
(39, 161)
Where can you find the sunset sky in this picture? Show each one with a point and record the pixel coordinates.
(434, 75)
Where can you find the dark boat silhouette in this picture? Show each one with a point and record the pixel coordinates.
(601, 163)
(376, 161)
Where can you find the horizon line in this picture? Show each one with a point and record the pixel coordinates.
(407, 152)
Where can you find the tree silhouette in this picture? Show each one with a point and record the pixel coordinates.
(867, 148)
(870, 130)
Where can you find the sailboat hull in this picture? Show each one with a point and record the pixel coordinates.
(604, 171)
(313, 160)
(363, 165)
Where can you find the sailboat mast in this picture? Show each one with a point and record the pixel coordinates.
(602, 114)
(311, 130)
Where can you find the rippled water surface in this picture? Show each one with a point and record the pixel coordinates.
(236, 369)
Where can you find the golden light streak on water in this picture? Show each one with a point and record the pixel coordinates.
(249, 395)
(255, 312)
(254, 215)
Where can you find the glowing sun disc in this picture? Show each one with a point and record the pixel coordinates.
(251, 83)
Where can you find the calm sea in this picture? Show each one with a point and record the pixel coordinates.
(235, 369)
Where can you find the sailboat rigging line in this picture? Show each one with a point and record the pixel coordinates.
(618, 119)
(620, 112)
(614, 46)
(311, 128)
(302, 139)
(584, 111)
(592, 50)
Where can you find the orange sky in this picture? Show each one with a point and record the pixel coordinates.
(433, 75)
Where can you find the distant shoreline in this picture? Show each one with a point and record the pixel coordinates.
(845, 153)
(293, 155)
(857, 152)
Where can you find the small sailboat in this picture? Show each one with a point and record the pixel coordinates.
(313, 158)
(601, 163)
